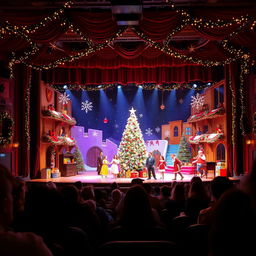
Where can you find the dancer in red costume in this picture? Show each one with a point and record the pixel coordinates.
(161, 166)
(177, 167)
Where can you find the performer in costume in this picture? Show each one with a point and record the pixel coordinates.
(161, 166)
(99, 162)
(150, 163)
(200, 162)
(104, 168)
(115, 166)
(177, 167)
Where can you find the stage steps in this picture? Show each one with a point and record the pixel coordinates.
(171, 149)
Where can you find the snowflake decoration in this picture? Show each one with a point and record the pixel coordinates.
(116, 125)
(64, 98)
(197, 101)
(86, 106)
(140, 115)
(157, 129)
(149, 132)
(94, 134)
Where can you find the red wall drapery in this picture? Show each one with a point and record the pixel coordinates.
(124, 76)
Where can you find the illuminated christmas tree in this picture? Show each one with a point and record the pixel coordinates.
(132, 150)
(184, 152)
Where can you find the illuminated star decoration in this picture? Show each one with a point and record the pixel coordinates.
(55, 47)
(197, 101)
(191, 48)
(140, 115)
(132, 111)
(64, 98)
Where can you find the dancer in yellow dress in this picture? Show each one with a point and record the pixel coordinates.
(104, 168)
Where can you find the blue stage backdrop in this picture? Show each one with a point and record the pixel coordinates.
(90, 108)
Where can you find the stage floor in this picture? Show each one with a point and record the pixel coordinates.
(93, 178)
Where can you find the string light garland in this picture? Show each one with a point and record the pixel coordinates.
(7, 124)
(56, 15)
(27, 113)
(253, 25)
(26, 54)
(77, 56)
(172, 53)
(186, 20)
(244, 70)
(209, 23)
(241, 54)
(144, 86)
(78, 31)
(184, 23)
(233, 110)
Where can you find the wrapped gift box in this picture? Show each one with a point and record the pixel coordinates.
(143, 174)
(55, 175)
(223, 172)
(134, 174)
(45, 173)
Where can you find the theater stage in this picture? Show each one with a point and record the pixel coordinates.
(94, 179)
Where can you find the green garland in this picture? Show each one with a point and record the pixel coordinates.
(7, 128)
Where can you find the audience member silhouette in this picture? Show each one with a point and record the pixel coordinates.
(218, 186)
(137, 220)
(233, 225)
(12, 243)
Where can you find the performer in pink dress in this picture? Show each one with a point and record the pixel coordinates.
(161, 166)
(177, 167)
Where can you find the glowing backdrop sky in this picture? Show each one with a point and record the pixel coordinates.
(114, 104)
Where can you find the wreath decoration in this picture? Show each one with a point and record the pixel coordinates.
(7, 123)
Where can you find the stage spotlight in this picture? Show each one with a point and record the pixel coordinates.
(194, 85)
(209, 84)
(65, 87)
(140, 86)
(99, 86)
(119, 86)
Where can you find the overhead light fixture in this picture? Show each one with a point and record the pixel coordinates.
(127, 12)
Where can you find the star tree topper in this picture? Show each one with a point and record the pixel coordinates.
(132, 111)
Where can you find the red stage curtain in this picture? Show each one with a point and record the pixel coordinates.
(158, 24)
(12, 43)
(211, 51)
(124, 76)
(246, 38)
(215, 33)
(98, 26)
